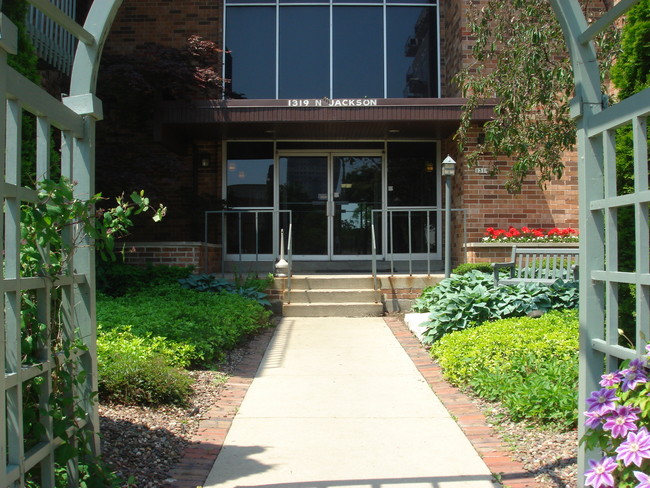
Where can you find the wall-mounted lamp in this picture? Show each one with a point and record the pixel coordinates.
(205, 160)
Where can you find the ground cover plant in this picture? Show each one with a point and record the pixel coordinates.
(464, 301)
(151, 328)
(527, 364)
(210, 323)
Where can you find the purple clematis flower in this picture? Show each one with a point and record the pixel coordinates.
(594, 419)
(621, 421)
(602, 400)
(635, 448)
(600, 474)
(611, 379)
(632, 378)
(637, 364)
(643, 478)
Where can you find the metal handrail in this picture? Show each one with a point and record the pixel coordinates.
(240, 212)
(409, 211)
(290, 261)
(374, 254)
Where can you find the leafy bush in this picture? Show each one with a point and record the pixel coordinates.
(542, 392)
(119, 279)
(142, 370)
(209, 322)
(496, 345)
(464, 301)
(467, 267)
(211, 283)
(130, 379)
(530, 365)
(144, 347)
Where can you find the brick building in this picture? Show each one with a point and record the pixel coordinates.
(336, 120)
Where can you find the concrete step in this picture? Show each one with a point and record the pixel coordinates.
(335, 296)
(332, 282)
(333, 310)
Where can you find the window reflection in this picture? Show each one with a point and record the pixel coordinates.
(358, 52)
(250, 65)
(411, 49)
(347, 56)
(412, 174)
(304, 52)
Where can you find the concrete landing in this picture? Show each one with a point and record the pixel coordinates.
(337, 402)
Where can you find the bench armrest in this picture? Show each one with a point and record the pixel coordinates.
(499, 266)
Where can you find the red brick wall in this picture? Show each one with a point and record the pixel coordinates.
(204, 258)
(167, 22)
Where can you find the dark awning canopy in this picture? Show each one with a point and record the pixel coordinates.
(339, 119)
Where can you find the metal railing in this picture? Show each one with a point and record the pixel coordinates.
(240, 231)
(409, 212)
(52, 42)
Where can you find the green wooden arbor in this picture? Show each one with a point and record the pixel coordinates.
(75, 118)
(600, 203)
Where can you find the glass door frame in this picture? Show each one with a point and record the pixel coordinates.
(331, 203)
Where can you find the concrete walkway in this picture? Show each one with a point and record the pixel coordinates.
(337, 402)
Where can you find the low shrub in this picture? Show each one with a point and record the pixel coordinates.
(500, 344)
(210, 323)
(464, 301)
(142, 370)
(130, 379)
(467, 267)
(528, 364)
(544, 392)
(143, 347)
(119, 279)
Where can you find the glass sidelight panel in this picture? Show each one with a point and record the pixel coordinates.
(304, 191)
(356, 192)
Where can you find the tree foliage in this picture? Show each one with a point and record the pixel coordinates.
(521, 60)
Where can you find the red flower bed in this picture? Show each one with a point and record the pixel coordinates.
(526, 234)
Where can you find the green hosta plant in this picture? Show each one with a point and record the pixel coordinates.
(211, 283)
(465, 301)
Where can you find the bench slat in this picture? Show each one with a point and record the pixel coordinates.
(539, 265)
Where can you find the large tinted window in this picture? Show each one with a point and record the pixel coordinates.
(411, 50)
(327, 49)
(304, 51)
(358, 52)
(250, 65)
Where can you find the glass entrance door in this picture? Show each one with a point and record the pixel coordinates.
(331, 198)
(356, 193)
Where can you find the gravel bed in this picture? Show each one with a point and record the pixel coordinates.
(145, 442)
(549, 454)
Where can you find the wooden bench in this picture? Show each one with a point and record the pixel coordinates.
(538, 265)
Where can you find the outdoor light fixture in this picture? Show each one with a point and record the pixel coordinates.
(448, 170)
(448, 167)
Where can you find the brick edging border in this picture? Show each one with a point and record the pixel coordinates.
(469, 417)
(194, 467)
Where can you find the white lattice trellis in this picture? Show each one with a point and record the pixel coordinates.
(600, 205)
(73, 122)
